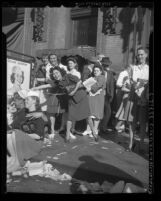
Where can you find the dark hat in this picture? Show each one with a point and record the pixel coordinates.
(71, 59)
(106, 61)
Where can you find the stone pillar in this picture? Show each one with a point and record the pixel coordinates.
(28, 33)
(59, 28)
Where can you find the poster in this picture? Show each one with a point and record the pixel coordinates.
(18, 74)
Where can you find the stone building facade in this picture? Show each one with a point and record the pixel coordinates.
(65, 28)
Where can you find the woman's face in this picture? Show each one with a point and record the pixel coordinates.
(97, 72)
(29, 101)
(11, 108)
(57, 75)
(141, 56)
(71, 65)
(19, 103)
(53, 60)
(45, 60)
(18, 78)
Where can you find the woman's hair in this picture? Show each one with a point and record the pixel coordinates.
(58, 59)
(13, 77)
(74, 61)
(62, 72)
(100, 67)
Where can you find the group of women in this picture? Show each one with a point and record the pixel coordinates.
(65, 92)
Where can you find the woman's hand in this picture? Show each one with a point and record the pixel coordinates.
(36, 115)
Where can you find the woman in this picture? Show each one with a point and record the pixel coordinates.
(17, 78)
(125, 111)
(73, 70)
(21, 146)
(96, 98)
(124, 77)
(73, 67)
(78, 105)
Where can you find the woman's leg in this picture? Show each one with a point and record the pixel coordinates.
(131, 136)
(88, 129)
(96, 124)
(69, 126)
(52, 120)
(91, 124)
(63, 121)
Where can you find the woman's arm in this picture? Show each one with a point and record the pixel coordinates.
(76, 88)
(44, 86)
(36, 115)
(98, 85)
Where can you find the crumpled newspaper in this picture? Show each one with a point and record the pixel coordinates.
(44, 169)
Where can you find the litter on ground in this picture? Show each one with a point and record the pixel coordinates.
(61, 153)
(104, 148)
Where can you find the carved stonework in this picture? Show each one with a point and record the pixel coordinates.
(109, 20)
(38, 28)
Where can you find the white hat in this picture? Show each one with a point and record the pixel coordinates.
(33, 93)
(23, 93)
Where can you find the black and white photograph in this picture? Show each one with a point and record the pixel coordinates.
(18, 75)
(78, 97)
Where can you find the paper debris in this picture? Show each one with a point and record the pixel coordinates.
(74, 147)
(16, 181)
(65, 177)
(55, 158)
(128, 190)
(104, 147)
(107, 141)
(93, 142)
(61, 153)
(48, 156)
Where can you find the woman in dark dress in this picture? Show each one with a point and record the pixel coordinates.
(78, 105)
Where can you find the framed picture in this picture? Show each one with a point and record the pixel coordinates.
(18, 73)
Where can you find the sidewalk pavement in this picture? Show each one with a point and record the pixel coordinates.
(86, 160)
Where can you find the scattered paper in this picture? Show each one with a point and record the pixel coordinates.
(107, 141)
(61, 153)
(16, 181)
(74, 147)
(55, 158)
(48, 156)
(104, 147)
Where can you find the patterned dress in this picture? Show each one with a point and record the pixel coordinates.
(96, 100)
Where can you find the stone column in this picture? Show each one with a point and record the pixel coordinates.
(59, 28)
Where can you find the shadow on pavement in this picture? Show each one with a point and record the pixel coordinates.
(92, 171)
